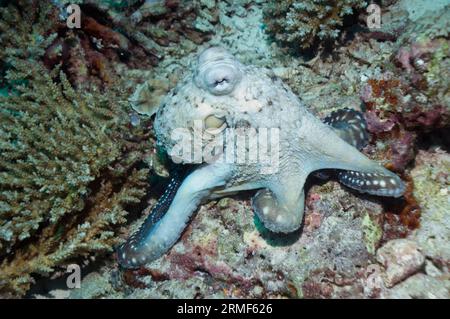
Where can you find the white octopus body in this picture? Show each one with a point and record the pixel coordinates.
(220, 92)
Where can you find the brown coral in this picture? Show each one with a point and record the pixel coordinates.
(301, 25)
(157, 25)
(107, 42)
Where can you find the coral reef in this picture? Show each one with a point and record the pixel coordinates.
(418, 267)
(399, 72)
(68, 172)
(152, 32)
(223, 255)
(71, 161)
(432, 187)
(401, 258)
(111, 39)
(226, 252)
(86, 54)
(411, 96)
(302, 24)
(160, 27)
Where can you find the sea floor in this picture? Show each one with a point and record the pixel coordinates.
(350, 245)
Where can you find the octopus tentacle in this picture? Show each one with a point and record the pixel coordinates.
(158, 211)
(350, 125)
(275, 216)
(280, 206)
(373, 183)
(157, 236)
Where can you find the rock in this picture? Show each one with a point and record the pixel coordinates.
(374, 283)
(431, 176)
(432, 270)
(421, 286)
(401, 258)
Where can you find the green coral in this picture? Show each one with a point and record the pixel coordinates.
(25, 31)
(301, 24)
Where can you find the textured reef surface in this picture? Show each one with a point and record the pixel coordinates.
(80, 169)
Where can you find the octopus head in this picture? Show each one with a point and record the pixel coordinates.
(204, 104)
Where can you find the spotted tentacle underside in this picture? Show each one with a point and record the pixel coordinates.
(125, 252)
(351, 126)
(373, 183)
(165, 224)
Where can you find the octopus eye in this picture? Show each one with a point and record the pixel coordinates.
(215, 124)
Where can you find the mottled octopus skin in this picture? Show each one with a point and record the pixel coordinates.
(248, 96)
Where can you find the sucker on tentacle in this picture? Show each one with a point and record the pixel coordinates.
(373, 183)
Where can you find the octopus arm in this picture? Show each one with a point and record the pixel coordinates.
(350, 125)
(330, 150)
(280, 206)
(153, 240)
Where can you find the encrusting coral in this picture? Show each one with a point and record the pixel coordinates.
(301, 24)
(411, 96)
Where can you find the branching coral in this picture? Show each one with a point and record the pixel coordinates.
(32, 36)
(92, 56)
(301, 24)
(174, 22)
(110, 41)
(72, 163)
(156, 24)
(68, 170)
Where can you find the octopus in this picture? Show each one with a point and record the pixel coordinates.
(220, 95)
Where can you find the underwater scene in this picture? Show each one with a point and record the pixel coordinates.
(224, 149)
